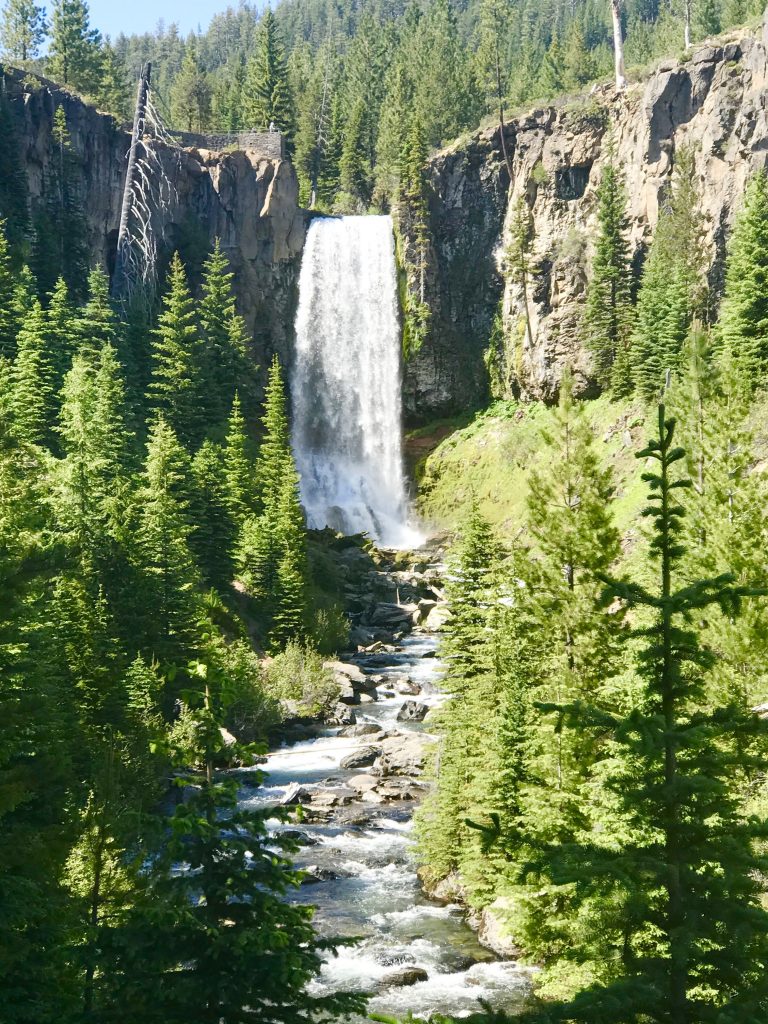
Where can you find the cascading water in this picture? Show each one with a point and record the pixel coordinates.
(346, 382)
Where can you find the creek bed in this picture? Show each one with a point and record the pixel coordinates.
(375, 894)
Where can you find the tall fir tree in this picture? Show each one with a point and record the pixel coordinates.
(671, 289)
(608, 312)
(744, 310)
(670, 878)
(22, 29)
(176, 389)
(267, 96)
(74, 53)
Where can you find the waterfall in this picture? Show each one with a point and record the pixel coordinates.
(345, 385)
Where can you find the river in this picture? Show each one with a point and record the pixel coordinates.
(370, 887)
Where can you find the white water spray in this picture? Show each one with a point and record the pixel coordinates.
(346, 382)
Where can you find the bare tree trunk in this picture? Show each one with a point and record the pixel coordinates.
(618, 44)
(687, 24)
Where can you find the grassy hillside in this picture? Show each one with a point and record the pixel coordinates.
(491, 456)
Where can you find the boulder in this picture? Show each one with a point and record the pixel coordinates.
(368, 698)
(347, 693)
(313, 874)
(493, 929)
(437, 618)
(362, 758)
(407, 976)
(363, 783)
(361, 729)
(344, 668)
(407, 687)
(295, 835)
(402, 755)
(328, 798)
(412, 711)
(341, 714)
(394, 616)
(296, 794)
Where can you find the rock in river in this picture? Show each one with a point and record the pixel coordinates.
(408, 976)
(412, 711)
(362, 758)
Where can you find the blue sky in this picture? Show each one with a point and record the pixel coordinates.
(114, 16)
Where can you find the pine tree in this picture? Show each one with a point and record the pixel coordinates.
(34, 380)
(671, 879)
(92, 479)
(608, 313)
(354, 164)
(289, 599)
(37, 784)
(9, 322)
(97, 323)
(744, 310)
(167, 603)
(74, 54)
(220, 943)
(671, 287)
(463, 755)
(215, 531)
(191, 95)
(176, 388)
(224, 337)
(239, 468)
(267, 96)
(22, 30)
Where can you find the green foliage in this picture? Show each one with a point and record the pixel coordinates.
(297, 675)
(267, 96)
(22, 30)
(176, 389)
(74, 52)
(608, 312)
(191, 96)
(744, 311)
(671, 287)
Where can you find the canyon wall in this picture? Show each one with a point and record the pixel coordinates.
(248, 199)
(713, 102)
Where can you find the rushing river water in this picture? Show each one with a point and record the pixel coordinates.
(377, 894)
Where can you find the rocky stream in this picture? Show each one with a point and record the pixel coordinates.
(359, 782)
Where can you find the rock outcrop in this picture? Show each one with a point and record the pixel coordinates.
(714, 103)
(247, 199)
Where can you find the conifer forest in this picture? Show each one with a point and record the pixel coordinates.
(384, 514)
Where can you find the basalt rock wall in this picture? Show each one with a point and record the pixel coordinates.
(247, 198)
(714, 102)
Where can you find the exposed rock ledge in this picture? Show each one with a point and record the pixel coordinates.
(714, 102)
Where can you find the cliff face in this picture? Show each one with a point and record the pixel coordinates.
(246, 199)
(715, 103)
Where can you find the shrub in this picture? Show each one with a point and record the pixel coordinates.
(297, 674)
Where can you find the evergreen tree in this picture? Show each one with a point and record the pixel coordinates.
(176, 388)
(224, 337)
(239, 468)
(96, 324)
(22, 29)
(267, 97)
(63, 332)
(191, 95)
(608, 313)
(74, 54)
(215, 531)
(220, 943)
(354, 165)
(744, 310)
(465, 749)
(678, 856)
(671, 287)
(34, 380)
(37, 785)
(167, 608)
(9, 322)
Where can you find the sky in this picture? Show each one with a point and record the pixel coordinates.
(111, 17)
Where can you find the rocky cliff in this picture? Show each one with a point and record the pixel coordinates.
(246, 199)
(714, 102)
